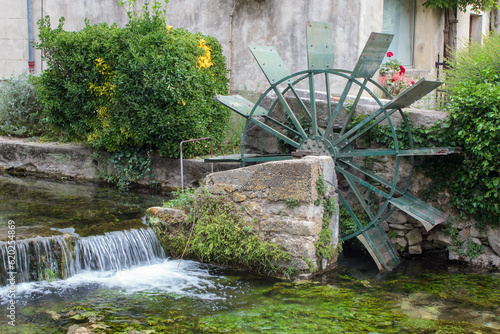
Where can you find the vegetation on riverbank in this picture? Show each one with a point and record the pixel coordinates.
(213, 231)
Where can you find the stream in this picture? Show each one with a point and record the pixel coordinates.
(116, 280)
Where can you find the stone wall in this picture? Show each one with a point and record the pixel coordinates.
(279, 203)
(410, 238)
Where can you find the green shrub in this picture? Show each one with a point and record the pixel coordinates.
(145, 85)
(473, 83)
(21, 114)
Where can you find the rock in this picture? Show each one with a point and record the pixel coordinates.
(398, 217)
(463, 234)
(494, 239)
(442, 239)
(54, 315)
(397, 227)
(400, 233)
(239, 197)
(254, 209)
(77, 329)
(401, 242)
(488, 259)
(477, 233)
(414, 237)
(420, 298)
(385, 226)
(169, 215)
(415, 249)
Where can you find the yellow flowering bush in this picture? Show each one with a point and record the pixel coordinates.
(147, 85)
(205, 60)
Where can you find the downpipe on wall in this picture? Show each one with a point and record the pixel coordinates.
(31, 53)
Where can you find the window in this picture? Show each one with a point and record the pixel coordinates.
(399, 20)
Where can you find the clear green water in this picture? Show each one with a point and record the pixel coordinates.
(40, 207)
(423, 295)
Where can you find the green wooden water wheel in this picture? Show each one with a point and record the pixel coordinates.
(299, 110)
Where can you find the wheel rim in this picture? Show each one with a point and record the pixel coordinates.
(307, 125)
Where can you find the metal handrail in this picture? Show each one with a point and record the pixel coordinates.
(193, 140)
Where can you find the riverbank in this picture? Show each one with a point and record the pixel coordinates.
(20, 156)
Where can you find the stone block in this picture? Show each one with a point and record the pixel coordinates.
(238, 197)
(414, 237)
(167, 214)
(279, 180)
(385, 226)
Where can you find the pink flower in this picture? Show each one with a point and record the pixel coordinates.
(390, 54)
(383, 80)
(412, 82)
(402, 70)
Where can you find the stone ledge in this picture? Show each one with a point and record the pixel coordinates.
(77, 162)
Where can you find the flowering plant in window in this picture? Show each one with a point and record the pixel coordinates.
(393, 76)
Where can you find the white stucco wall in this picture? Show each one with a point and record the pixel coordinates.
(261, 22)
(13, 37)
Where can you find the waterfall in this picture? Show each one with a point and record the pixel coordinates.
(64, 256)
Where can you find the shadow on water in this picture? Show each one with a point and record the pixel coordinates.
(423, 295)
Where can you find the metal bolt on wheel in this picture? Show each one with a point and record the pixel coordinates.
(304, 119)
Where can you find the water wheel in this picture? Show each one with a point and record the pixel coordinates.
(299, 111)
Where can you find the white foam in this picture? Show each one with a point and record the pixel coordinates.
(191, 279)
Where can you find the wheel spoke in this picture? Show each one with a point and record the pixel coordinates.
(301, 102)
(290, 113)
(312, 97)
(328, 96)
(364, 126)
(372, 175)
(362, 182)
(341, 101)
(360, 197)
(278, 123)
(394, 152)
(274, 132)
(353, 108)
(367, 153)
(353, 216)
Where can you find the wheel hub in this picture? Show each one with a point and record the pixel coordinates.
(318, 145)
